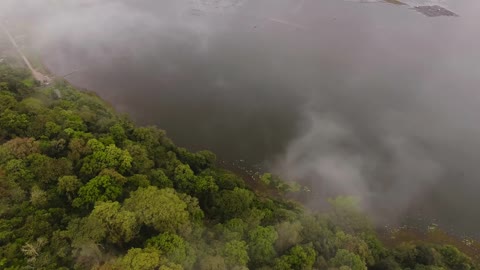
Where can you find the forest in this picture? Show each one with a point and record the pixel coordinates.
(83, 187)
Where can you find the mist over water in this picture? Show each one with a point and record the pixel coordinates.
(373, 100)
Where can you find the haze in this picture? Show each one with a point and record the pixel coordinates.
(373, 100)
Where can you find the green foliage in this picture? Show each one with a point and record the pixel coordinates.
(346, 214)
(104, 157)
(184, 178)
(174, 247)
(198, 161)
(234, 229)
(212, 263)
(21, 147)
(138, 180)
(161, 209)
(141, 259)
(454, 259)
(231, 203)
(17, 171)
(38, 197)
(346, 258)
(7, 100)
(298, 258)
(261, 241)
(118, 134)
(13, 123)
(235, 253)
(289, 234)
(121, 226)
(278, 184)
(69, 186)
(225, 179)
(140, 160)
(100, 188)
(47, 170)
(159, 179)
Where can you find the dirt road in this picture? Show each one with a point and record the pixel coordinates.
(37, 75)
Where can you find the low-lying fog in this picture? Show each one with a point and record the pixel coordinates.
(370, 99)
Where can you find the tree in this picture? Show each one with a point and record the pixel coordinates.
(100, 188)
(84, 232)
(47, 170)
(70, 119)
(204, 185)
(347, 215)
(13, 123)
(69, 186)
(78, 149)
(32, 106)
(145, 259)
(16, 171)
(10, 192)
(184, 178)
(197, 161)
(346, 258)
(232, 203)
(376, 249)
(22, 147)
(193, 208)
(110, 157)
(121, 226)
(236, 253)
(234, 229)
(7, 100)
(52, 129)
(32, 251)
(428, 255)
(38, 197)
(253, 217)
(297, 258)
(141, 259)
(260, 247)
(406, 255)
(159, 179)
(454, 259)
(225, 179)
(174, 247)
(209, 157)
(137, 180)
(212, 263)
(388, 263)
(161, 209)
(169, 163)
(355, 245)
(266, 179)
(289, 234)
(141, 163)
(149, 136)
(118, 134)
